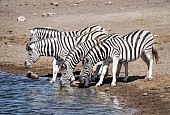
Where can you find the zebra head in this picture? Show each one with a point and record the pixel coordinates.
(67, 75)
(86, 72)
(33, 55)
(34, 35)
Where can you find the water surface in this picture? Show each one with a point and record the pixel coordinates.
(21, 95)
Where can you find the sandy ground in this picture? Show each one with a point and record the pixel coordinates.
(149, 97)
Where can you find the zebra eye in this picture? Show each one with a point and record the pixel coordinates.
(28, 48)
(86, 60)
(64, 66)
(29, 53)
(65, 74)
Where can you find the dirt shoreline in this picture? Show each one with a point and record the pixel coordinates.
(149, 97)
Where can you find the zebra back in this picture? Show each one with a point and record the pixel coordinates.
(44, 33)
(77, 53)
(128, 47)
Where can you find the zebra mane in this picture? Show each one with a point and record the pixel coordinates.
(133, 32)
(98, 42)
(43, 28)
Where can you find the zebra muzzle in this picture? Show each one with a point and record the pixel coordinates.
(27, 65)
(82, 80)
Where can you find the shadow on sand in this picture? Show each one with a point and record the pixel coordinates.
(107, 80)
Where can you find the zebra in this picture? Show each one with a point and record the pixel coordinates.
(124, 49)
(57, 48)
(76, 55)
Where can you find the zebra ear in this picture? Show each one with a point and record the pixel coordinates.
(32, 31)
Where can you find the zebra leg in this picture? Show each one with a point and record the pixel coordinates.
(126, 71)
(148, 59)
(96, 72)
(87, 81)
(104, 70)
(118, 70)
(114, 69)
(56, 67)
(150, 69)
(101, 68)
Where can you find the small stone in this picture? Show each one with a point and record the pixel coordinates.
(48, 14)
(145, 94)
(106, 89)
(32, 75)
(108, 3)
(167, 87)
(34, 14)
(21, 19)
(155, 35)
(76, 4)
(10, 31)
(54, 3)
(121, 8)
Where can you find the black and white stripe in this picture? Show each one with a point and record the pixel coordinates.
(124, 49)
(76, 55)
(56, 47)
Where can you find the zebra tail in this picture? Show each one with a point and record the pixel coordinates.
(155, 54)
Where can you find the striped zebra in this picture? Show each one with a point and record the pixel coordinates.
(76, 55)
(57, 48)
(121, 49)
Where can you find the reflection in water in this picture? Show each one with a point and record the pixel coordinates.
(20, 95)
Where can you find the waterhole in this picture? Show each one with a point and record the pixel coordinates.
(21, 95)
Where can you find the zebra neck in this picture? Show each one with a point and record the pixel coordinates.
(47, 47)
(73, 59)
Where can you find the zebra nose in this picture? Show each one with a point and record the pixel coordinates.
(82, 80)
(27, 65)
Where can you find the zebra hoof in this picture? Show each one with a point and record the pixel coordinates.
(93, 79)
(51, 81)
(85, 86)
(113, 84)
(150, 79)
(98, 85)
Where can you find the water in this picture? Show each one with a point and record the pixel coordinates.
(20, 95)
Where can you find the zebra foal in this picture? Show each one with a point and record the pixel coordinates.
(125, 49)
(72, 36)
